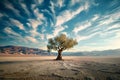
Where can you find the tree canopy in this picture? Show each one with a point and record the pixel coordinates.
(61, 42)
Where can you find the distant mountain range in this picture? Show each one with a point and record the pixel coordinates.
(25, 50)
(21, 50)
(114, 52)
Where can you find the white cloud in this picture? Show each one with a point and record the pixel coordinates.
(52, 13)
(11, 7)
(64, 17)
(106, 21)
(32, 39)
(73, 2)
(81, 27)
(17, 23)
(60, 3)
(53, 4)
(39, 15)
(111, 32)
(39, 2)
(28, 24)
(115, 15)
(48, 36)
(96, 16)
(14, 35)
(33, 32)
(42, 36)
(58, 29)
(69, 14)
(103, 31)
(1, 15)
(103, 23)
(87, 24)
(33, 7)
(25, 8)
(52, 7)
(111, 44)
(117, 34)
(86, 5)
(47, 11)
(8, 30)
(43, 29)
(36, 3)
(100, 24)
(51, 23)
(116, 25)
(109, 18)
(79, 37)
(115, 43)
(113, 3)
(34, 23)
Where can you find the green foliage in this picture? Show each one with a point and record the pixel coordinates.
(61, 42)
(49, 48)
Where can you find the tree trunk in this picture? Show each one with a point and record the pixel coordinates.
(59, 57)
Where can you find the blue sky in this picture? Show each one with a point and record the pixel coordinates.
(95, 24)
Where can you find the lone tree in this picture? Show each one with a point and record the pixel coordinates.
(60, 43)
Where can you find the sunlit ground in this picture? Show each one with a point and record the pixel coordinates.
(71, 68)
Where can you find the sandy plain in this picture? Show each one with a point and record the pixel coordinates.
(71, 68)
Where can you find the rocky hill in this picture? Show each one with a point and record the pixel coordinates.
(21, 50)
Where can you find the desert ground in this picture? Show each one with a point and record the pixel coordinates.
(71, 68)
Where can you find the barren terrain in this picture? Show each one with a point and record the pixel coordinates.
(71, 68)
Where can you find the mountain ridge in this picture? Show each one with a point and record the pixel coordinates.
(95, 53)
(11, 49)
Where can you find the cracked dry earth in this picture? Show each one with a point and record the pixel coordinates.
(59, 70)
